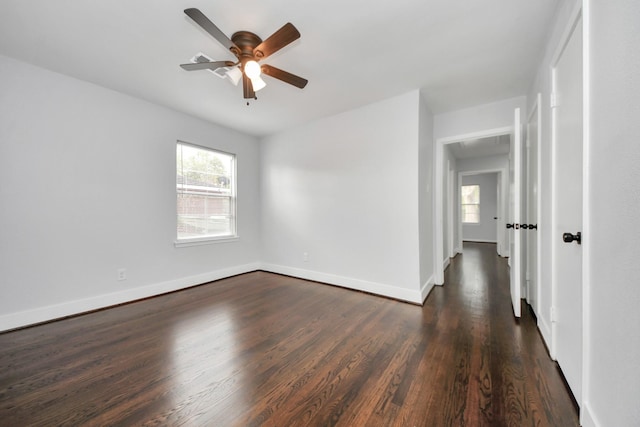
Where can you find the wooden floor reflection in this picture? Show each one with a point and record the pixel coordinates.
(264, 349)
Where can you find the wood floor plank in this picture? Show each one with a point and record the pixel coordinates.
(262, 349)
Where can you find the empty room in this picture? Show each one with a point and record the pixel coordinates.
(284, 213)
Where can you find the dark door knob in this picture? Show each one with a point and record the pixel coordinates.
(568, 237)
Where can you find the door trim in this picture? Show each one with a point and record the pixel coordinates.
(585, 414)
(453, 244)
(438, 205)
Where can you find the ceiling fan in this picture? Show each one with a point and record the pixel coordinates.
(248, 49)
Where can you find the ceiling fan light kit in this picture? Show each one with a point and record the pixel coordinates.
(248, 49)
(252, 69)
(234, 74)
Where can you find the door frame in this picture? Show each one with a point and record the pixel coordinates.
(439, 192)
(586, 202)
(453, 243)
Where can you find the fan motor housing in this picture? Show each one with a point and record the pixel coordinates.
(246, 42)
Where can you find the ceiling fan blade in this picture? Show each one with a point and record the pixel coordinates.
(285, 35)
(286, 77)
(247, 87)
(206, 65)
(210, 28)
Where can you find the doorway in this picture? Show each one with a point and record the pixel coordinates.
(455, 153)
(479, 206)
(443, 232)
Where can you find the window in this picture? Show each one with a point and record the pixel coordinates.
(470, 195)
(205, 187)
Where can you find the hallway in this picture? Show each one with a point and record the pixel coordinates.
(264, 349)
(505, 361)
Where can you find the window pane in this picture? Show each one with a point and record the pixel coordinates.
(470, 198)
(470, 194)
(205, 199)
(203, 168)
(471, 213)
(203, 216)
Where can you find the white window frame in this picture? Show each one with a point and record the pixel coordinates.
(462, 218)
(210, 239)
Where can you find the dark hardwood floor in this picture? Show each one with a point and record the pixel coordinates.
(263, 349)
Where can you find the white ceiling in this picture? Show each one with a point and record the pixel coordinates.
(459, 53)
(483, 147)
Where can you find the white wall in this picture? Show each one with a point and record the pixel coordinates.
(485, 230)
(345, 190)
(613, 296)
(484, 163)
(91, 176)
(425, 197)
(87, 183)
(482, 117)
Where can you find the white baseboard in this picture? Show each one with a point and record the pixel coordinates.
(545, 331)
(446, 263)
(57, 311)
(395, 292)
(426, 288)
(587, 419)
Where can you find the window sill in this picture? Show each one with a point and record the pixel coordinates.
(183, 243)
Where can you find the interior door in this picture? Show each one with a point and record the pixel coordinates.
(515, 256)
(533, 140)
(499, 216)
(567, 187)
(451, 212)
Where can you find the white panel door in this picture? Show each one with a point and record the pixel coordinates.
(500, 217)
(515, 172)
(567, 199)
(533, 139)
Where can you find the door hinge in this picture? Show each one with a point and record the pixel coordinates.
(554, 100)
(554, 315)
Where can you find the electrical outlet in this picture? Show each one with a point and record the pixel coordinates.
(305, 256)
(122, 274)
